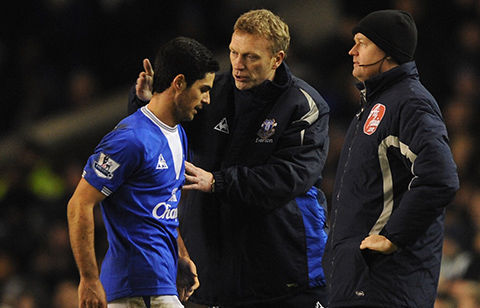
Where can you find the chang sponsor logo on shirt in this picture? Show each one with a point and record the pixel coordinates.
(163, 210)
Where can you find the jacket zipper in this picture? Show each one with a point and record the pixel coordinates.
(347, 162)
(363, 102)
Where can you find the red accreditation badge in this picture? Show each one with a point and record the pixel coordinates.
(374, 119)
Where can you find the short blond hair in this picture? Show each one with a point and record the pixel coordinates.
(266, 24)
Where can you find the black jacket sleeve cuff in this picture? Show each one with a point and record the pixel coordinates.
(133, 101)
(219, 181)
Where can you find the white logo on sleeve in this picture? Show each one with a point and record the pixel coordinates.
(162, 164)
(222, 126)
(105, 166)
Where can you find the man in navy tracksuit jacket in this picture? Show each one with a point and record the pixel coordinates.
(257, 233)
(395, 177)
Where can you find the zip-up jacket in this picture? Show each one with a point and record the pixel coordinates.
(260, 236)
(395, 177)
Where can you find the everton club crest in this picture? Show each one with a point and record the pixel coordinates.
(266, 130)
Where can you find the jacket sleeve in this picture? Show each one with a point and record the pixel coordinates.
(293, 168)
(435, 179)
(133, 101)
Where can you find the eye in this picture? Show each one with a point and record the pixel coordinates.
(205, 89)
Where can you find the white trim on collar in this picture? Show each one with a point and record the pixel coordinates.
(149, 114)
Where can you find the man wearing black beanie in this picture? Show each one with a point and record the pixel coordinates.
(395, 177)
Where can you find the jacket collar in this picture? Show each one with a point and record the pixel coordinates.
(385, 80)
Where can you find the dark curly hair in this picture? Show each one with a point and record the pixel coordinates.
(182, 55)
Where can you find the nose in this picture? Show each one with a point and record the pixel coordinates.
(206, 98)
(353, 51)
(237, 63)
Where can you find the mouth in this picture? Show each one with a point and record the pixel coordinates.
(240, 78)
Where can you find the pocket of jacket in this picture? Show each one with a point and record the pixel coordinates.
(351, 273)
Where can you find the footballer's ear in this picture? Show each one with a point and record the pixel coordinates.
(179, 83)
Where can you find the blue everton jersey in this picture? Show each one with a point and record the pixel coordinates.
(139, 166)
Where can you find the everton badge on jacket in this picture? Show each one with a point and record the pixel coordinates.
(267, 129)
(374, 119)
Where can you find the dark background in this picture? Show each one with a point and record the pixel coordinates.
(65, 69)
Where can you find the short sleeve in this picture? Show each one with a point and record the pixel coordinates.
(116, 158)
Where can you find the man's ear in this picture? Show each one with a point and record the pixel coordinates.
(278, 59)
(179, 83)
(391, 60)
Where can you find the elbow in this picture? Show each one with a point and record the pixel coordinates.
(452, 185)
(75, 210)
(71, 210)
(452, 188)
(449, 188)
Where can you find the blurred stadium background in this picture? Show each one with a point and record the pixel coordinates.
(66, 67)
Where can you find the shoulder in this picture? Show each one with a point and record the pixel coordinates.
(307, 100)
(411, 106)
(412, 96)
(127, 134)
(307, 93)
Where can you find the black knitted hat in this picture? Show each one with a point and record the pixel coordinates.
(393, 31)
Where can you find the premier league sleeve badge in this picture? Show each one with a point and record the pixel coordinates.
(104, 166)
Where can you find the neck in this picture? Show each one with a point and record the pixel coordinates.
(386, 66)
(272, 75)
(161, 106)
(383, 66)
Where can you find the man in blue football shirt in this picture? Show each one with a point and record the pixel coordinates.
(136, 174)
